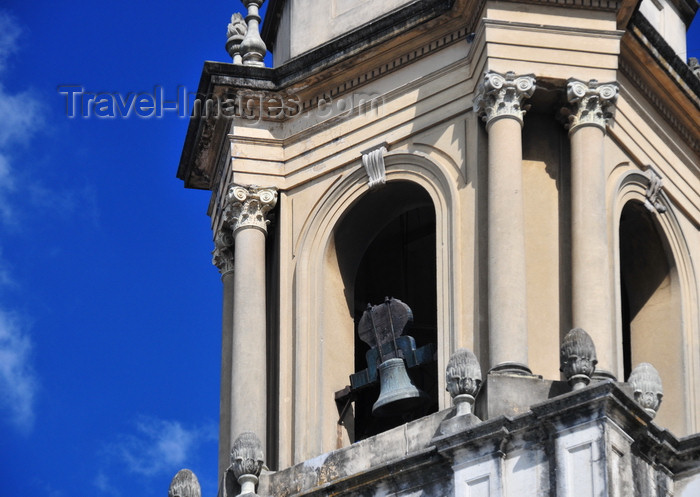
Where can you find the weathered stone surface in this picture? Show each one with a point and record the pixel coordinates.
(184, 484)
(646, 385)
(396, 450)
(592, 103)
(502, 95)
(235, 33)
(512, 394)
(577, 358)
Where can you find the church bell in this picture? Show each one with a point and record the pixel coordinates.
(397, 394)
(380, 327)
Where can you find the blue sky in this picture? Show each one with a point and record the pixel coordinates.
(109, 304)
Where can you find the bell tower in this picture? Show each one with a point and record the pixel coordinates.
(458, 243)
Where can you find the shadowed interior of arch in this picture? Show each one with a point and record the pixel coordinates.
(651, 310)
(386, 246)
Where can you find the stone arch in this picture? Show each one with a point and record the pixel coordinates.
(323, 324)
(656, 295)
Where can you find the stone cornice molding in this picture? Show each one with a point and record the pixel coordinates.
(247, 207)
(223, 255)
(501, 95)
(592, 103)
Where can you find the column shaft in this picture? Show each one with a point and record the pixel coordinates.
(249, 347)
(499, 99)
(222, 258)
(592, 289)
(506, 238)
(225, 439)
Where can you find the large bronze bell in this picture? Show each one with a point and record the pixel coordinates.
(397, 395)
(379, 327)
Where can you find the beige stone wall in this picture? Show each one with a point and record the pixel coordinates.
(320, 22)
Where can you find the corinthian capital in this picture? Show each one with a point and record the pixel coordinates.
(222, 255)
(592, 103)
(247, 207)
(501, 95)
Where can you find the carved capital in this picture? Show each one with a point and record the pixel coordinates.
(577, 358)
(502, 95)
(463, 378)
(592, 103)
(222, 255)
(184, 484)
(247, 207)
(646, 384)
(247, 461)
(373, 161)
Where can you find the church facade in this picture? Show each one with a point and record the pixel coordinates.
(507, 171)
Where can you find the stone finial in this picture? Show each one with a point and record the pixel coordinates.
(222, 255)
(247, 461)
(592, 103)
(577, 358)
(463, 377)
(247, 207)
(646, 383)
(253, 48)
(501, 95)
(694, 66)
(373, 161)
(235, 33)
(184, 484)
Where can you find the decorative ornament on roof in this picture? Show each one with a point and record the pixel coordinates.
(694, 66)
(184, 484)
(247, 461)
(235, 33)
(463, 379)
(646, 384)
(577, 358)
(253, 48)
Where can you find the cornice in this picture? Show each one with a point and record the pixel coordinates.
(663, 79)
(320, 67)
(605, 5)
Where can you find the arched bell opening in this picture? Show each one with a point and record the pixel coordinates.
(386, 247)
(651, 311)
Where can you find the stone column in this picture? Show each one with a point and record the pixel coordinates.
(245, 214)
(222, 258)
(499, 100)
(592, 290)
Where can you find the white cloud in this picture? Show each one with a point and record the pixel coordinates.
(19, 116)
(104, 484)
(17, 380)
(9, 34)
(160, 446)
